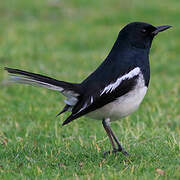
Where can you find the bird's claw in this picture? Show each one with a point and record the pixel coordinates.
(114, 151)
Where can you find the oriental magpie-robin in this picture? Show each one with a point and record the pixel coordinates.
(115, 89)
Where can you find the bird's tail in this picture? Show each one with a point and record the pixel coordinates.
(70, 90)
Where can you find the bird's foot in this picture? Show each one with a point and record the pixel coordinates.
(114, 151)
(110, 152)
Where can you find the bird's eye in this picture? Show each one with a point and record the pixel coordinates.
(143, 30)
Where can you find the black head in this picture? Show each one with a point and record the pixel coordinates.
(139, 34)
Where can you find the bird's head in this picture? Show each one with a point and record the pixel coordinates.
(140, 35)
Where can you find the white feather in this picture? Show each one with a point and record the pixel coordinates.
(92, 99)
(124, 105)
(71, 96)
(114, 85)
(26, 80)
(84, 106)
(71, 101)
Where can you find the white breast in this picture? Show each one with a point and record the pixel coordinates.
(124, 105)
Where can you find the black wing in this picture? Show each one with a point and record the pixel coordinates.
(93, 101)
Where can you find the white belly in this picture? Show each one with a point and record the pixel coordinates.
(122, 107)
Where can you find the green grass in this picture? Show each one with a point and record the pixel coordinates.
(67, 40)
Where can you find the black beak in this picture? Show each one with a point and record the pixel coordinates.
(160, 29)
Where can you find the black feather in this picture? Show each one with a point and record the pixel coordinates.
(45, 79)
(100, 101)
(68, 120)
(66, 108)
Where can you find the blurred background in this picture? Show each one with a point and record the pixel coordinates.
(50, 35)
(68, 39)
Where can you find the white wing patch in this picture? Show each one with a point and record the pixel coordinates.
(92, 99)
(114, 85)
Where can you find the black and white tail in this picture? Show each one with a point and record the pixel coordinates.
(70, 90)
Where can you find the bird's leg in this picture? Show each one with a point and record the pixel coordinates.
(111, 135)
(120, 148)
(105, 122)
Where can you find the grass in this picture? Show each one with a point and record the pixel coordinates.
(67, 40)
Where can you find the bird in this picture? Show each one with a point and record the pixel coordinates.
(115, 89)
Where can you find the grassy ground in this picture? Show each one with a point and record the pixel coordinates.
(67, 40)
